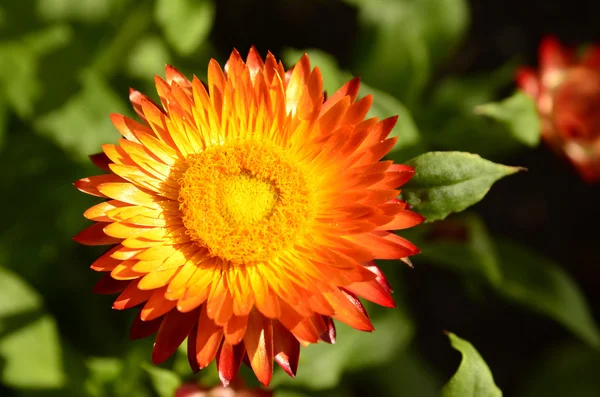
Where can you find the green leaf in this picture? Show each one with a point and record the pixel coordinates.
(322, 366)
(148, 58)
(473, 254)
(82, 125)
(473, 377)
(402, 40)
(29, 345)
(19, 80)
(518, 114)
(447, 182)
(165, 382)
(185, 23)
(565, 371)
(89, 11)
(539, 284)
(103, 371)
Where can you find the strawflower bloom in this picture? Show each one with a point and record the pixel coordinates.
(245, 214)
(567, 91)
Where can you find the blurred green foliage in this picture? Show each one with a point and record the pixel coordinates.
(65, 65)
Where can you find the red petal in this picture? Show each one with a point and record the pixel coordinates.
(528, 81)
(229, 360)
(591, 58)
(553, 55)
(175, 327)
(108, 285)
(94, 235)
(191, 349)
(142, 329)
(101, 161)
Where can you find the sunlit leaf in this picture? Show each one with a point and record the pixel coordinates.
(80, 10)
(186, 23)
(82, 125)
(473, 377)
(103, 371)
(566, 371)
(447, 182)
(321, 366)
(111, 56)
(518, 115)
(19, 80)
(535, 282)
(165, 382)
(29, 345)
(402, 40)
(148, 58)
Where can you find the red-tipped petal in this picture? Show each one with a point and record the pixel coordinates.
(90, 184)
(229, 360)
(329, 335)
(175, 327)
(372, 291)
(191, 349)
(286, 348)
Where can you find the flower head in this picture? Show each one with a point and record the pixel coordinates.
(245, 214)
(567, 91)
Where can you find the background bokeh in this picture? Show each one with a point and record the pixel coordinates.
(66, 64)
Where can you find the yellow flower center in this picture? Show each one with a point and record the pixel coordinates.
(245, 201)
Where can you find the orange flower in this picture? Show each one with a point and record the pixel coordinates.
(567, 91)
(245, 214)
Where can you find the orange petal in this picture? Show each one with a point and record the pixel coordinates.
(132, 296)
(235, 329)
(259, 346)
(90, 184)
(157, 305)
(372, 291)
(349, 310)
(128, 193)
(208, 339)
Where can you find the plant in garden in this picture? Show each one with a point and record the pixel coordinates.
(247, 216)
(566, 87)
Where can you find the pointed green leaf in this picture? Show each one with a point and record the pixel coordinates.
(165, 382)
(473, 377)
(447, 182)
(518, 115)
(539, 284)
(29, 345)
(185, 23)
